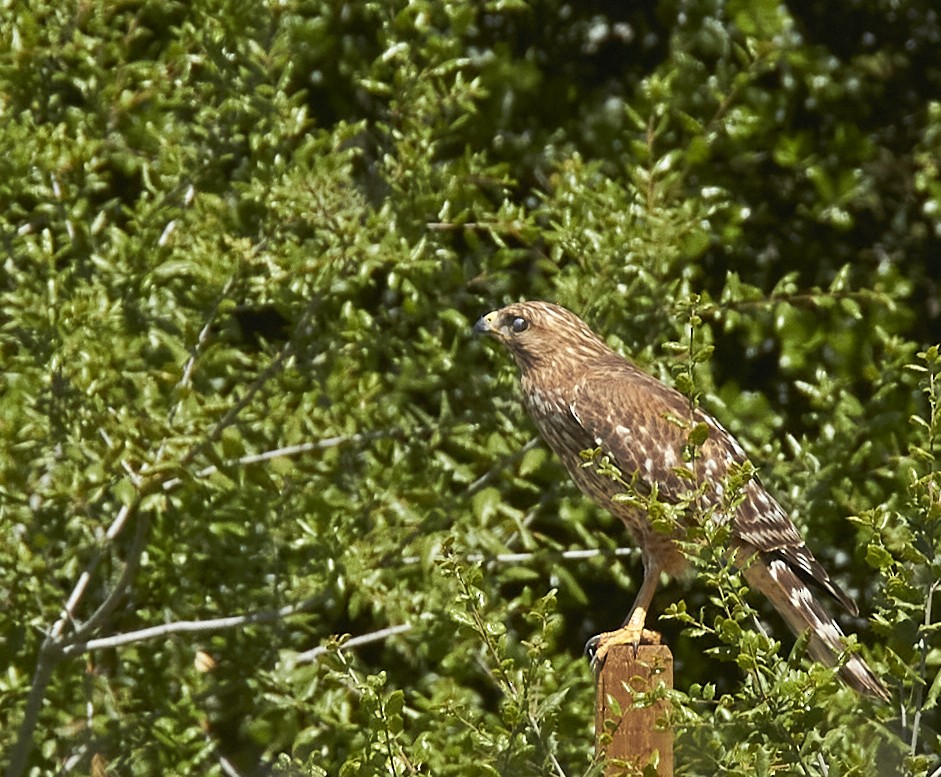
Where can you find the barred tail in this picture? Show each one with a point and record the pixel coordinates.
(799, 606)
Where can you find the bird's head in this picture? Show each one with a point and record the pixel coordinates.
(541, 333)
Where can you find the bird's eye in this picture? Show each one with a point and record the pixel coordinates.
(519, 325)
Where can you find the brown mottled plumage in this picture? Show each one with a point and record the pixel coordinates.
(582, 395)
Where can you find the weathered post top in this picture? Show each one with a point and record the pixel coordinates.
(635, 736)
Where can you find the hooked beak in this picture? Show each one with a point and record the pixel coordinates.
(484, 325)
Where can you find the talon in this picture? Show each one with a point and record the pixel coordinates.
(595, 654)
(591, 647)
(596, 651)
(596, 648)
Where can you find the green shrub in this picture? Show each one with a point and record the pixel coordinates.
(242, 416)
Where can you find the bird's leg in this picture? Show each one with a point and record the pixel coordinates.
(632, 631)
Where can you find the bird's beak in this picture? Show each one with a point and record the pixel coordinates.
(484, 325)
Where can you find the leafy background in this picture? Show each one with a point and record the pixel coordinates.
(241, 414)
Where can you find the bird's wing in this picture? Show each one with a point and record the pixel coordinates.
(639, 422)
(644, 426)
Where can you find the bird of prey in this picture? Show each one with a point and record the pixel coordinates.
(582, 395)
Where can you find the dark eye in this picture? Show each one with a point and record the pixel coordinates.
(519, 325)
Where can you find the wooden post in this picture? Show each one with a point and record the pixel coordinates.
(635, 736)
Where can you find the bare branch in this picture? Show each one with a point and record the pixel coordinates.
(190, 627)
(290, 450)
(520, 558)
(201, 339)
(556, 766)
(227, 766)
(45, 665)
(922, 645)
(364, 639)
(124, 581)
(506, 461)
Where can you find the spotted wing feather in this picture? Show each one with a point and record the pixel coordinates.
(644, 425)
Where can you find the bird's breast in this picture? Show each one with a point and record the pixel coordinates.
(551, 410)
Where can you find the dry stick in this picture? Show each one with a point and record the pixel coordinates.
(519, 558)
(201, 339)
(290, 450)
(45, 665)
(364, 639)
(217, 624)
(265, 616)
(179, 627)
(556, 766)
(506, 461)
(117, 591)
(124, 514)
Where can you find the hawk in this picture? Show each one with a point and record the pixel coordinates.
(582, 395)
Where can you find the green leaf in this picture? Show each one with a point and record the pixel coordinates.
(878, 557)
(126, 492)
(698, 434)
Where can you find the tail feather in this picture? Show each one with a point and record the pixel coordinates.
(799, 606)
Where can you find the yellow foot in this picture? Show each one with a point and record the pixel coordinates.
(597, 647)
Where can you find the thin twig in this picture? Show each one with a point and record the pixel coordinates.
(131, 566)
(287, 451)
(124, 514)
(506, 461)
(201, 339)
(364, 639)
(519, 558)
(227, 766)
(81, 585)
(390, 753)
(556, 766)
(923, 662)
(188, 627)
(45, 665)
(72, 762)
(232, 413)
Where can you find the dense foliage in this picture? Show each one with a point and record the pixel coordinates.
(242, 417)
